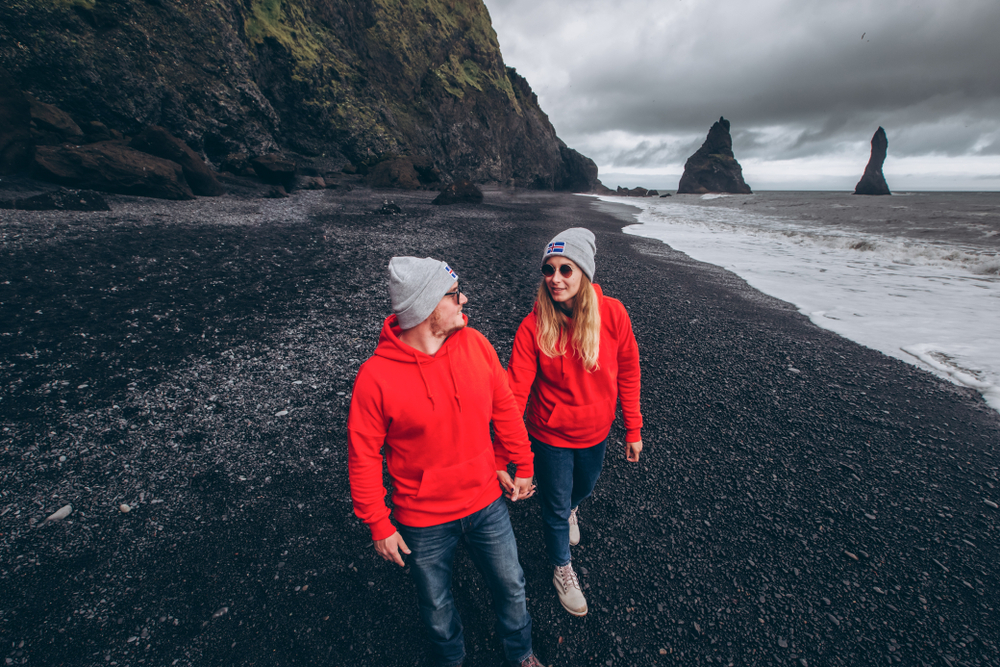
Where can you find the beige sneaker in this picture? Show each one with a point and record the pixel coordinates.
(568, 587)
(574, 528)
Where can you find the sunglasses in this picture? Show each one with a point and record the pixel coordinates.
(457, 294)
(565, 270)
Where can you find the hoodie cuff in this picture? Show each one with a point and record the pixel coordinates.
(381, 529)
(525, 470)
(633, 435)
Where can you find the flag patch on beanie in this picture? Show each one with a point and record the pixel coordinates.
(555, 246)
(450, 272)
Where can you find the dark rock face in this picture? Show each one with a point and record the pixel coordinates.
(63, 200)
(461, 191)
(325, 79)
(873, 180)
(155, 140)
(111, 167)
(713, 167)
(15, 126)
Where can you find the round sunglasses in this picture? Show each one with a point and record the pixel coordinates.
(565, 270)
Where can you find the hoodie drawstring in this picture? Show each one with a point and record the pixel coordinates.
(427, 386)
(454, 382)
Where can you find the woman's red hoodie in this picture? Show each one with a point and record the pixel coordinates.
(432, 414)
(567, 406)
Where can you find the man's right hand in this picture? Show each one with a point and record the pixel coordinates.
(390, 547)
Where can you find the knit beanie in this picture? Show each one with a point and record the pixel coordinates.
(577, 244)
(416, 287)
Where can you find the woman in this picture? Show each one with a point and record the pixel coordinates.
(574, 356)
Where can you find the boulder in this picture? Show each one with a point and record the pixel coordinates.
(310, 183)
(275, 169)
(51, 126)
(388, 208)
(157, 141)
(601, 189)
(634, 192)
(61, 200)
(15, 126)
(404, 173)
(873, 180)
(461, 191)
(111, 167)
(713, 167)
(96, 131)
(653, 193)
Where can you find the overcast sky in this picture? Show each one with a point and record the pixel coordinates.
(636, 84)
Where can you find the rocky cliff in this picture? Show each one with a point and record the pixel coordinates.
(873, 180)
(713, 167)
(345, 81)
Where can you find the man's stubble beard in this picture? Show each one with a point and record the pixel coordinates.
(438, 330)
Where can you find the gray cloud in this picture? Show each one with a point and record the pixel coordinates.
(794, 77)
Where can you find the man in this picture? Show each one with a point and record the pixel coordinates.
(427, 396)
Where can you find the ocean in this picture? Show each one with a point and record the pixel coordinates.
(913, 275)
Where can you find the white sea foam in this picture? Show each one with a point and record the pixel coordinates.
(931, 303)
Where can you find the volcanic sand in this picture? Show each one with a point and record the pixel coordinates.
(800, 499)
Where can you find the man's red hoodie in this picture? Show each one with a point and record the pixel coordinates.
(568, 406)
(432, 414)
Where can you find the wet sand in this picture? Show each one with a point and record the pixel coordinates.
(800, 499)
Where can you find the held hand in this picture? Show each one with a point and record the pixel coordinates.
(523, 489)
(389, 548)
(632, 450)
(505, 481)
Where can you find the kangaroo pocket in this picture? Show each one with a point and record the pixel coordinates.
(581, 422)
(452, 483)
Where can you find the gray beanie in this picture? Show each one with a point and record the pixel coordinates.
(416, 287)
(577, 244)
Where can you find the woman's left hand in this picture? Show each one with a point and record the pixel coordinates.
(632, 450)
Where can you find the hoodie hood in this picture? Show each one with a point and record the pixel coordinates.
(391, 347)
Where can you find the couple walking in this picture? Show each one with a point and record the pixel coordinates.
(428, 396)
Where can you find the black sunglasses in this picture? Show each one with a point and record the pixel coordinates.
(457, 294)
(565, 270)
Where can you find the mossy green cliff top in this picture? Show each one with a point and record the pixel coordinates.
(352, 80)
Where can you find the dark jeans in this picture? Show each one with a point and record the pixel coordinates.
(489, 538)
(565, 478)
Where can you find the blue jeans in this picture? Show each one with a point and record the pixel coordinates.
(565, 478)
(489, 538)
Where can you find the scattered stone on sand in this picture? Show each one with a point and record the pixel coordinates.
(125, 509)
(60, 514)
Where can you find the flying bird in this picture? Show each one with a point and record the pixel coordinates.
(863, 35)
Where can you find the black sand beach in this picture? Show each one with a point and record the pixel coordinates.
(800, 499)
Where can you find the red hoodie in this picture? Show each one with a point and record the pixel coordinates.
(568, 406)
(432, 414)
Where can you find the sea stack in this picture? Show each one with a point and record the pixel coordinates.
(713, 167)
(873, 181)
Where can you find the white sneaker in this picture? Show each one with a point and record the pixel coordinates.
(574, 528)
(568, 587)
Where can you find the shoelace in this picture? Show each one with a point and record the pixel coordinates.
(568, 576)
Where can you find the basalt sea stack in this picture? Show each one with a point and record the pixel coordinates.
(873, 181)
(713, 167)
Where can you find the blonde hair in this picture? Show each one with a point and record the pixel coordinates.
(552, 326)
